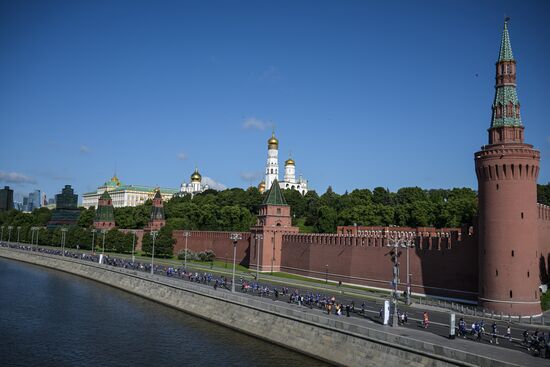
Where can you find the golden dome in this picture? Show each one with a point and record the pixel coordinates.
(289, 162)
(115, 180)
(273, 143)
(196, 176)
(261, 187)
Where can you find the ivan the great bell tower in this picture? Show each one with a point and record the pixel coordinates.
(507, 171)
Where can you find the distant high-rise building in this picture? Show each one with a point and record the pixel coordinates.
(51, 201)
(35, 200)
(66, 212)
(6, 198)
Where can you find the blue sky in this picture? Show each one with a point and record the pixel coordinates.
(363, 94)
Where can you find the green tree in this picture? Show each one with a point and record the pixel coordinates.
(543, 194)
(86, 218)
(327, 219)
(381, 196)
(164, 243)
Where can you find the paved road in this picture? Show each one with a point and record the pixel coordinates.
(439, 320)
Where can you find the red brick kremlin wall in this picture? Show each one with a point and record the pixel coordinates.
(443, 262)
(219, 242)
(543, 225)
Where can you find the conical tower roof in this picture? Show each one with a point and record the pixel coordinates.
(157, 194)
(505, 53)
(275, 196)
(105, 196)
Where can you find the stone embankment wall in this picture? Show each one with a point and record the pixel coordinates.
(326, 338)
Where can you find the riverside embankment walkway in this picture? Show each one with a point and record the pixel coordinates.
(338, 340)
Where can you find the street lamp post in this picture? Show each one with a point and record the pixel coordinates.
(394, 241)
(408, 243)
(93, 239)
(186, 234)
(32, 236)
(235, 237)
(9, 233)
(37, 233)
(18, 231)
(134, 246)
(63, 239)
(103, 231)
(258, 237)
(153, 235)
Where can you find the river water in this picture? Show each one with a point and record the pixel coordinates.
(50, 318)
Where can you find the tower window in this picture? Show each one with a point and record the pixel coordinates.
(496, 272)
(512, 253)
(521, 215)
(528, 274)
(510, 293)
(497, 187)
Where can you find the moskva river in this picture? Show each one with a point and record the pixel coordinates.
(49, 318)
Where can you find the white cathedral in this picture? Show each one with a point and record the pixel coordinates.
(272, 170)
(195, 186)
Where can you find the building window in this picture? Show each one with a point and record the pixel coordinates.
(278, 210)
(528, 274)
(521, 215)
(497, 187)
(510, 293)
(512, 253)
(497, 272)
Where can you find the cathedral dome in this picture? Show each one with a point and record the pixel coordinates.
(115, 180)
(261, 187)
(290, 162)
(196, 176)
(273, 143)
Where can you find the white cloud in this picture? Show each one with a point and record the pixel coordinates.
(182, 156)
(15, 177)
(254, 123)
(84, 149)
(212, 183)
(251, 176)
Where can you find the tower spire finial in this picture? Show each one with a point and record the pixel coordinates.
(505, 53)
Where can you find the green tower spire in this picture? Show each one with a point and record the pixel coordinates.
(505, 53)
(506, 105)
(275, 196)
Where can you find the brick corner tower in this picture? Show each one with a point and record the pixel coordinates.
(157, 213)
(507, 170)
(104, 215)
